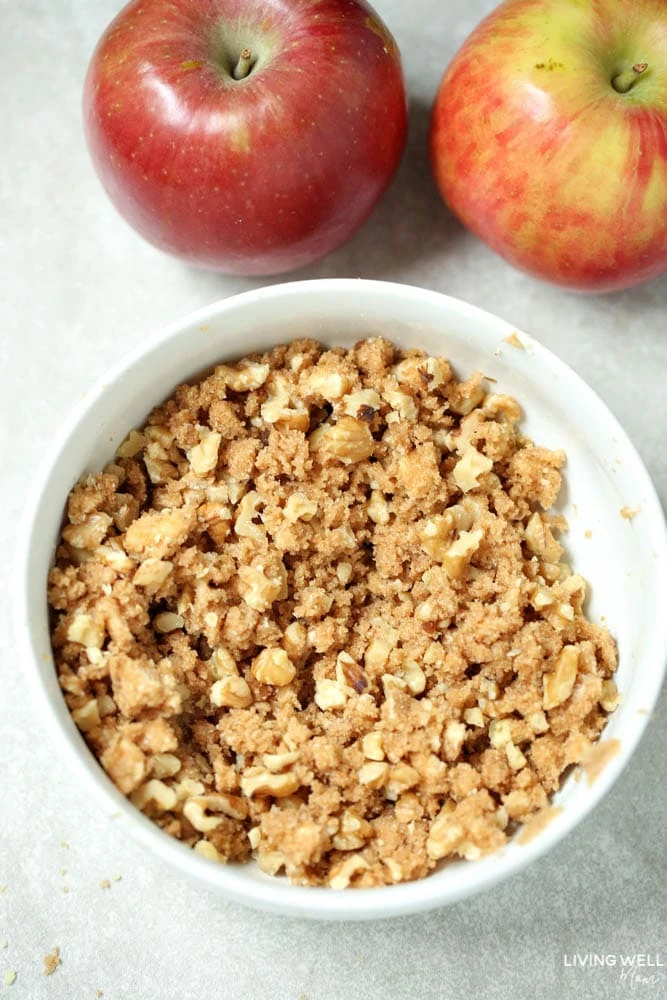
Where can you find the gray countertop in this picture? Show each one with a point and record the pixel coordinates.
(78, 289)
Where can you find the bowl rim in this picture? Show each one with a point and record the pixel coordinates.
(278, 895)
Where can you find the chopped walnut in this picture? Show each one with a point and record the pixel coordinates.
(157, 793)
(469, 468)
(273, 666)
(559, 683)
(231, 692)
(88, 716)
(256, 781)
(329, 695)
(299, 507)
(540, 540)
(349, 440)
(204, 456)
(372, 745)
(460, 552)
(362, 404)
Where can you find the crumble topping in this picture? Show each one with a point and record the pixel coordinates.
(316, 612)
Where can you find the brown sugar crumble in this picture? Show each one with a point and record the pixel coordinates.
(316, 613)
(51, 962)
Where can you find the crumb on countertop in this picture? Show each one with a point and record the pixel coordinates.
(10, 977)
(52, 961)
(628, 513)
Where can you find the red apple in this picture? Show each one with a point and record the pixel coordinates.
(249, 136)
(549, 138)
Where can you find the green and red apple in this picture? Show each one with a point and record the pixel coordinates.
(249, 136)
(549, 139)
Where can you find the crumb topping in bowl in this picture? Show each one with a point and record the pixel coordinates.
(316, 612)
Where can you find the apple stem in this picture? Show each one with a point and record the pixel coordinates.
(624, 81)
(243, 66)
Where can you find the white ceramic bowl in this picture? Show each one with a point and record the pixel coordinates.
(625, 561)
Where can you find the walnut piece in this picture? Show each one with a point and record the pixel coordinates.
(349, 440)
(273, 666)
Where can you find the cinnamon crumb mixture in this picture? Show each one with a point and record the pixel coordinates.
(315, 612)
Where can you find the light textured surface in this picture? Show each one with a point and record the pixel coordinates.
(78, 288)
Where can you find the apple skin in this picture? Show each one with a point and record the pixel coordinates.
(537, 153)
(253, 176)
